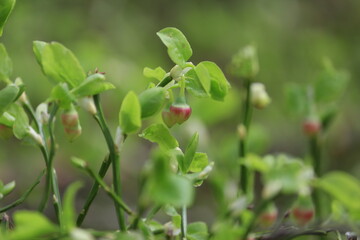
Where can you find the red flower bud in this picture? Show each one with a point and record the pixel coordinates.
(269, 216)
(311, 126)
(168, 118)
(71, 123)
(181, 112)
(303, 210)
(178, 112)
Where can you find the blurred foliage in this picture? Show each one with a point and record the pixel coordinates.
(118, 37)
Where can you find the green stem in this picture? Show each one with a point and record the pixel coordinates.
(114, 158)
(24, 196)
(183, 222)
(315, 151)
(93, 191)
(109, 191)
(247, 112)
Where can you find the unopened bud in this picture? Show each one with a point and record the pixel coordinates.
(35, 136)
(311, 126)
(71, 123)
(259, 97)
(88, 104)
(245, 63)
(42, 113)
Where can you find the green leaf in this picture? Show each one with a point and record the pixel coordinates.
(210, 72)
(330, 84)
(6, 6)
(343, 187)
(21, 124)
(151, 101)
(157, 73)
(59, 63)
(164, 186)
(179, 49)
(160, 134)
(190, 152)
(93, 84)
(171, 189)
(8, 188)
(31, 225)
(69, 215)
(5, 64)
(195, 86)
(38, 47)
(197, 231)
(130, 113)
(62, 94)
(7, 96)
(199, 162)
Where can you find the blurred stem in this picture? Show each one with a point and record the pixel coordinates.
(247, 112)
(183, 222)
(315, 151)
(93, 191)
(114, 158)
(24, 196)
(153, 212)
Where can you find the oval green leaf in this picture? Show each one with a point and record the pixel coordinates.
(179, 49)
(94, 84)
(161, 135)
(5, 64)
(7, 96)
(6, 7)
(209, 72)
(59, 63)
(130, 113)
(151, 101)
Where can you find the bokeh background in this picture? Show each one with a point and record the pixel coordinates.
(118, 37)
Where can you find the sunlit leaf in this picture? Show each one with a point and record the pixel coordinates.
(130, 113)
(179, 49)
(59, 63)
(8, 96)
(151, 101)
(210, 72)
(343, 187)
(190, 152)
(197, 231)
(31, 225)
(157, 73)
(160, 134)
(199, 162)
(69, 215)
(6, 6)
(93, 84)
(5, 63)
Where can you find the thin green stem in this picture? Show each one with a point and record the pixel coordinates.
(93, 191)
(109, 191)
(247, 112)
(114, 158)
(315, 151)
(24, 196)
(183, 222)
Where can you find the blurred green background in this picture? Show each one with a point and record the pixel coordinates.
(119, 38)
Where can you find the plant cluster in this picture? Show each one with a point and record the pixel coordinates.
(315, 200)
